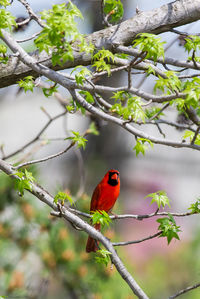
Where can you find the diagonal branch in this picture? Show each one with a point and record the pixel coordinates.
(45, 197)
(36, 137)
(185, 291)
(156, 21)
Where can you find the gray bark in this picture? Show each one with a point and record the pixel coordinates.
(156, 21)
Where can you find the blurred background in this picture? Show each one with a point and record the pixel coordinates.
(43, 257)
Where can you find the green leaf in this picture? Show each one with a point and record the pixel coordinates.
(190, 135)
(70, 108)
(192, 90)
(24, 180)
(114, 8)
(6, 20)
(82, 74)
(3, 57)
(172, 83)
(151, 44)
(141, 145)
(153, 111)
(192, 43)
(101, 217)
(50, 91)
(121, 95)
(150, 70)
(195, 207)
(27, 83)
(160, 198)
(103, 257)
(60, 31)
(80, 140)
(62, 196)
(101, 59)
(131, 110)
(168, 228)
(87, 95)
(29, 176)
(93, 129)
(5, 3)
(23, 184)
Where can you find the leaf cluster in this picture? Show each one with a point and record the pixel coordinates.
(60, 31)
(195, 207)
(77, 138)
(150, 112)
(27, 83)
(103, 257)
(5, 3)
(101, 60)
(82, 74)
(101, 217)
(192, 90)
(63, 196)
(170, 84)
(48, 92)
(192, 43)
(142, 145)
(160, 198)
(149, 44)
(24, 180)
(169, 228)
(6, 19)
(127, 106)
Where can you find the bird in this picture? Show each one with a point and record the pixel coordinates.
(103, 199)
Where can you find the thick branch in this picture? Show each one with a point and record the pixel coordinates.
(156, 21)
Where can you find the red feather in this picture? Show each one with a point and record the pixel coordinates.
(104, 198)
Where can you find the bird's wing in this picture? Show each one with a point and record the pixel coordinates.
(95, 198)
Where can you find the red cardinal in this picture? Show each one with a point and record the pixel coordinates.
(104, 198)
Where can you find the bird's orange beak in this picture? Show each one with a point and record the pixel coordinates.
(114, 176)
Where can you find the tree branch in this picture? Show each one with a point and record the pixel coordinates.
(71, 86)
(137, 241)
(156, 21)
(45, 197)
(185, 291)
(35, 138)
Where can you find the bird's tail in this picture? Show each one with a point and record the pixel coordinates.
(92, 244)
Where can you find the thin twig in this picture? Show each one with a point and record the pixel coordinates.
(195, 135)
(181, 292)
(36, 137)
(159, 129)
(46, 158)
(105, 18)
(31, 12)
(136, 217)
(137, 241)
(28, 38)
